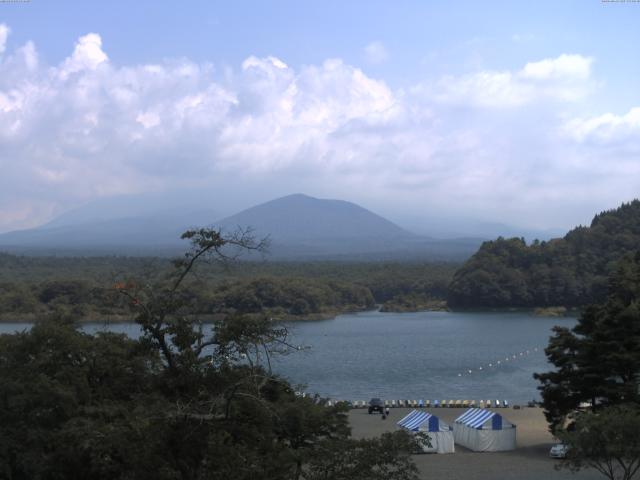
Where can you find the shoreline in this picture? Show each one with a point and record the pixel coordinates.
(559, 312)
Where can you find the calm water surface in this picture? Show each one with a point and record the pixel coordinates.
(411, 355)
(422, 355)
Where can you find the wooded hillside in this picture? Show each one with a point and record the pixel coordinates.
(571, 271)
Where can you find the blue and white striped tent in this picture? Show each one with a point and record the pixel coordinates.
(482, 430)
(440, 434)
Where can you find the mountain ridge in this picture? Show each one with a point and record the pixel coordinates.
(299, 216)
(300, 227)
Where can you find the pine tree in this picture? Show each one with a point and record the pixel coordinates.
(598, 361)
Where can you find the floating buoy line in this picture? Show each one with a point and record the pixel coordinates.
(502, 361)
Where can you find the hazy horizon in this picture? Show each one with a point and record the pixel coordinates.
(173, 204)
(435, 116)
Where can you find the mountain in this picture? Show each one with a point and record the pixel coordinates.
(137, 224)
(300, 218)
(571, 271)
(146, 235)
(304, 227)
(299, 227)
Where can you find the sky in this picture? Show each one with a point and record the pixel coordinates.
(524, 113)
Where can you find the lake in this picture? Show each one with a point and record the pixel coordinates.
(422, 355)
(435, 355)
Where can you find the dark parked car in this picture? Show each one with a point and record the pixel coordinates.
(376, 405)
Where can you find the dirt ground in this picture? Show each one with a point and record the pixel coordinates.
(530, 461)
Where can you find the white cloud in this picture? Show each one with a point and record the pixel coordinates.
(484, 89)
(606, 149)
(606, 128)
(87, 55)
(376, 53)
(30, 56)
(264, 64)
(4, 34)
(103, 129)
(148, 119)
(89, 127)
(563, 67)
(298, 111)
(565, 78)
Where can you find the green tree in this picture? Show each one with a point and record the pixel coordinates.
(184, 401)
(569, 271)
(606, 441)
(598, 361)
(72, 402)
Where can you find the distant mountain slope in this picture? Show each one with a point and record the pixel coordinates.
(300, 228)
(571, 271)
(298, 217)
(150, 234)
(170, 206)
(306, 228)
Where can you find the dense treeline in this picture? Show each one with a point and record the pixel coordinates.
(283, 297)
(32, 287)
(20, 268)
(30, 301)
(571, 271)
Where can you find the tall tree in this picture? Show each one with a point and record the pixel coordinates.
(598, 361)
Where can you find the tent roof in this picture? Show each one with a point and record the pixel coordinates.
(477, 417)
(415, 420)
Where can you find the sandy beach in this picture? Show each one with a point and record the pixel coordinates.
(530, 461)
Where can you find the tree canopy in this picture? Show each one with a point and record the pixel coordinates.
(570, 271)
(606, 441)
(34, 287)
(597, 361)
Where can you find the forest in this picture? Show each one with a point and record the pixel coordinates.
(32, 287)
(571, 271)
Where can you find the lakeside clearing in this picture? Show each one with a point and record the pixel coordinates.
(530, 460)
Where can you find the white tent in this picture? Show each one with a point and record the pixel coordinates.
(484, 431)
(440, 434)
